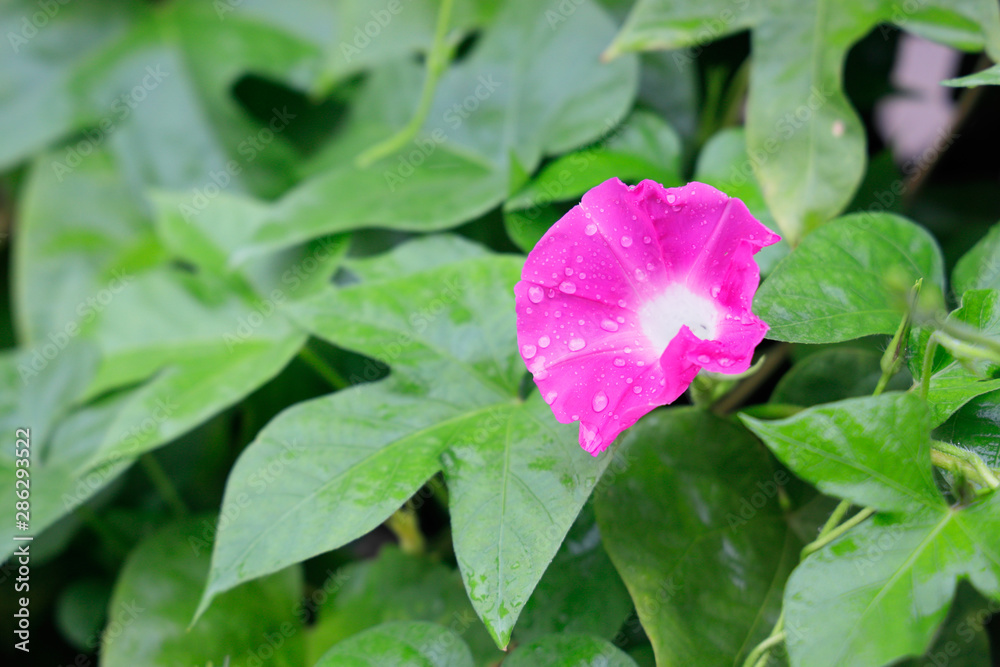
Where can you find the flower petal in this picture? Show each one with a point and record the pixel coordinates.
(630, 294)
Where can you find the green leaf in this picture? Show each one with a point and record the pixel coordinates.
(873, 451)
(962, 641)
(957, 381)
(492, 110)
(723, 163)
(403, 643)
(979, 268)
(807, 142)
(880, 592)
(36, 71)
(642, 147)
(89, 267)
(569, 650)
(516, 478)
(976, 426)
(698, 535)
(398, 587)
(869, 262)
(157, 591)
(580, 592)
(987, 77)
(833, 375)
(674, 24)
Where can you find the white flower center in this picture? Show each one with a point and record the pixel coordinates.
(662, 317)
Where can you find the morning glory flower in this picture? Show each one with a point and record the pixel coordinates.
(630, 294)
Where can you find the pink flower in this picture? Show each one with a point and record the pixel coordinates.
(630, 294)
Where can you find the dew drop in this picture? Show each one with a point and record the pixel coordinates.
(637, 390)
(536, 294)
(647, 240)
(626, 241)
(600, 401)
(704, 358)
(640, 274)
(671, 198)
(628, 350)
(716, 290)
(577, 344)
(569, 271)
(609, 325)
(725, 362)
(544, 342)
(621, 303)
(579, 258)
(621, 320)
(529, 351)
(567, 287)
(590, 229)
(619, 362)
(551, 397)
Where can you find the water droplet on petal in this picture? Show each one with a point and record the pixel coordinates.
(716, 290)
(671, 198)
(536, 294)
(647, 240)
(567, 287)
(621, 303)
(637, 390)
(590, 229)
(619, 362)
(577, 344)
(628, 350)
(529, 351)
(725, 363)
(626, 241)
(551, 397)
(609, 325)
(621, 320)
(579, 258)
(544, 342)
(704, 358)
(600, 401)
(640, 274)
(569, 271)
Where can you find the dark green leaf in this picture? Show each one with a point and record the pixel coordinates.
(569, 650)
(157, 592)
(697, 534)
(980, 267)
(402, 644)
(833, 375)
(976, 426)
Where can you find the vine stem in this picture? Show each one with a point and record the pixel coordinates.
(437, 62)
(165, 487)
(947, 455)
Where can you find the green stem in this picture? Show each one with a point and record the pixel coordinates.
(970, 335)
(163, 485)
(759, 655)
(882, 382)
(831, 535)
(948, 456)
(437, 62)
(323, 369)
(928, 367)
(406, 527)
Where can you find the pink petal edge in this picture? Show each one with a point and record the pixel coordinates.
(613, 298)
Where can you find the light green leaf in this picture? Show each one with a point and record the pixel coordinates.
(979, 268)
(873, 451)
(880, 592)
(403, 643)
(869, 263)
(516, 478)
(157, 591)
(491, 111)
(569, 650)
(988, 77)
(723, 163)
(698, 535)
(674, 24)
